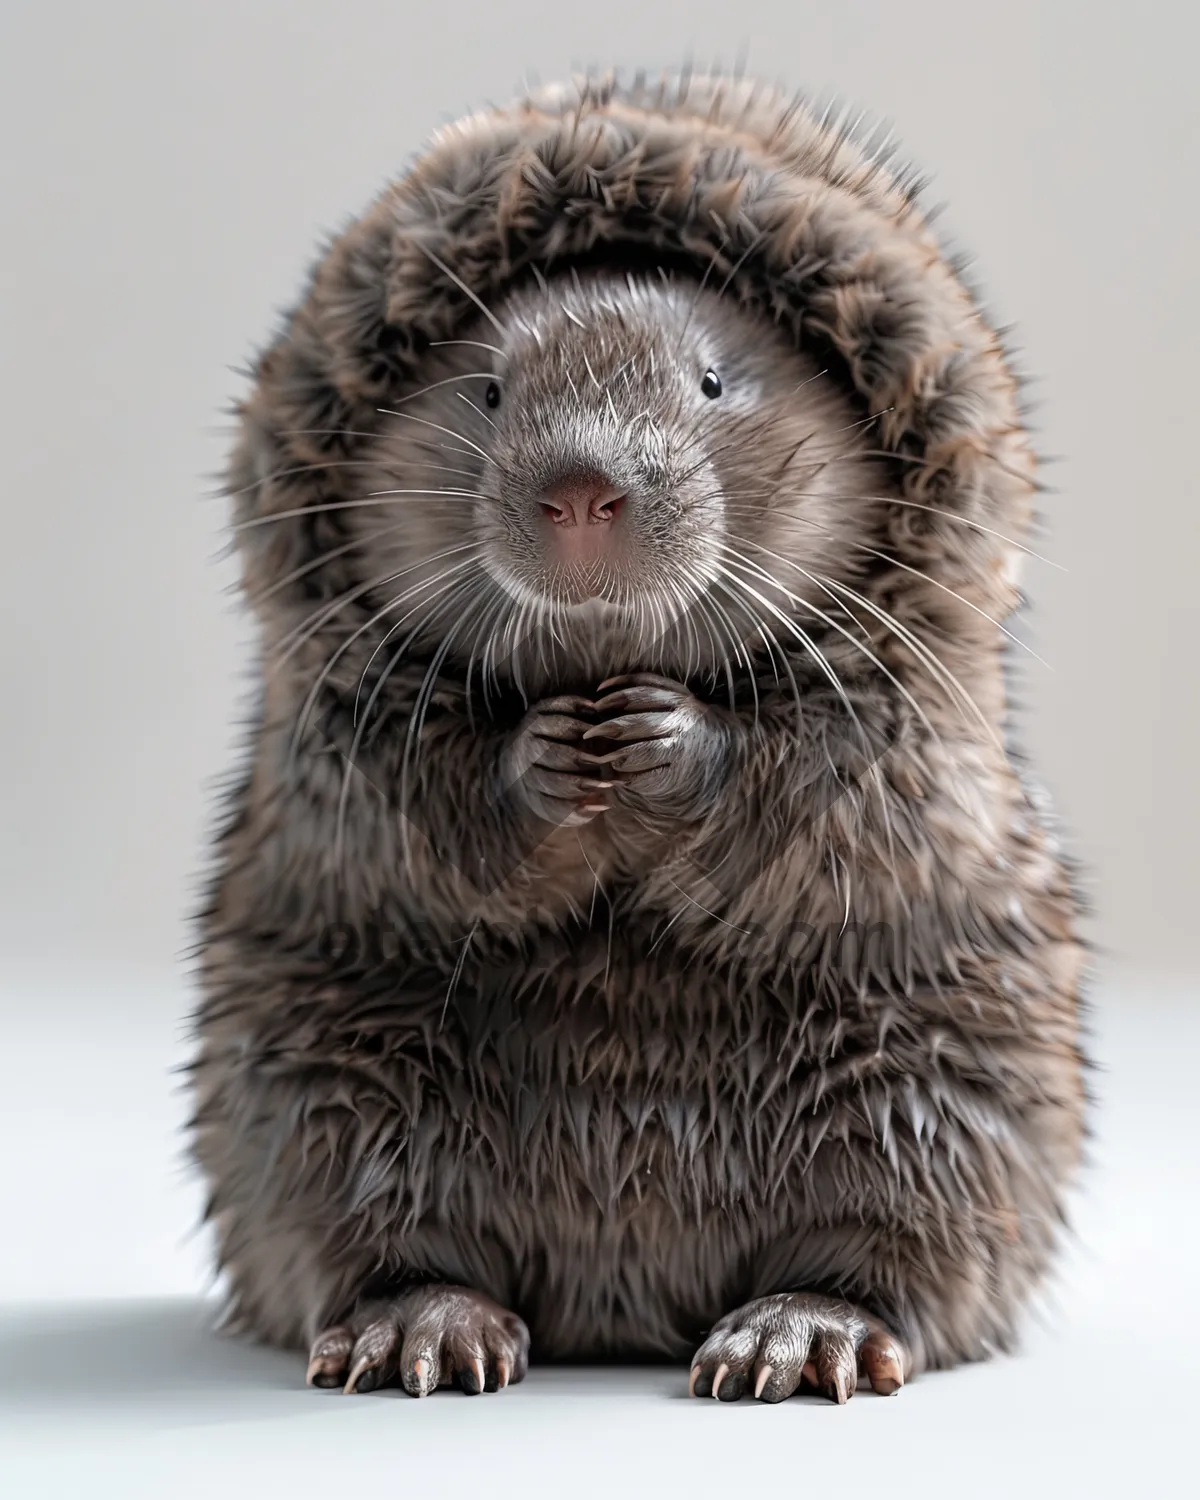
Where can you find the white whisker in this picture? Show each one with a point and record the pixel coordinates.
(463, 287)
(461, 437)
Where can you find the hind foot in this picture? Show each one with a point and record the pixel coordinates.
(431, 1336)
(775, 1344)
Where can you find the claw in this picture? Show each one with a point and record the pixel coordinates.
(420, 1370)
(722, 1371)
(582, 815)
(502, 1372)
(760, 1384)
(479, 1372)
(356, 1374)
(692, 1379)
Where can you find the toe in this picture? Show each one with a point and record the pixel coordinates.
(884, 1363)
(507, 1352)
(631, 726)
(561, 728)
(836, 1367)
(774, 1383)
(556, 756)
(363, 1378)
(568, 704)
(329, 1357)
(466, 1357)
(642, 680)
(419, 1375)
(472, 1377)
(780, 1365)
(371, 1360)
(421, 1361)
(704, 1363)
(729, 1385)
(585, 813)
(723, 1364)
(644, 755)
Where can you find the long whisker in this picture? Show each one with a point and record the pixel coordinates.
(946, 589)
(317, 618)
(471, 343)
(736, 644)
(841, 630)
(322, 558)
(487, 625)
(275, 474)
(463, 287)
(416, 721)
(356, 742)
(885, 500)
(375, 498)
(932, 662)
(802, 636)
(873, 760)
(921, 462)
(975, 525)
(773, 650)
(461, 437)
(459, 567)
(740, 262)
(476, 410)
(323, 675)
(449, 380)
(350, 432)
(421, 705)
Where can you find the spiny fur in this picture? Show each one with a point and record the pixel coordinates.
(622, 1117)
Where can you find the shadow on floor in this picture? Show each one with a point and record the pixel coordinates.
(158, 1363)
(158, 1356)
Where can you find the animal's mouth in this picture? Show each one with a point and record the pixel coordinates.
(589, 585)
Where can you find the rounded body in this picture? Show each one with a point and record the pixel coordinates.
(631, 907)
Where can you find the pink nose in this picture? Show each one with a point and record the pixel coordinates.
(582, 500)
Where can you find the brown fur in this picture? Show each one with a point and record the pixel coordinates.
(628, 1079)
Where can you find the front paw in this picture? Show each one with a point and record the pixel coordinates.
(548, 768)
(664, 748)
(429, 1337)
(774, 1343)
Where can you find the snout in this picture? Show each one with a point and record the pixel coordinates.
(580, 516)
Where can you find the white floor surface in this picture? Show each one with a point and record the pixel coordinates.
(111, 1384)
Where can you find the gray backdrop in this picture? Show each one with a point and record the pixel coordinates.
(167, 170)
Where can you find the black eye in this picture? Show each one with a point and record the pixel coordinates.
(492, 394)
(711, 384)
